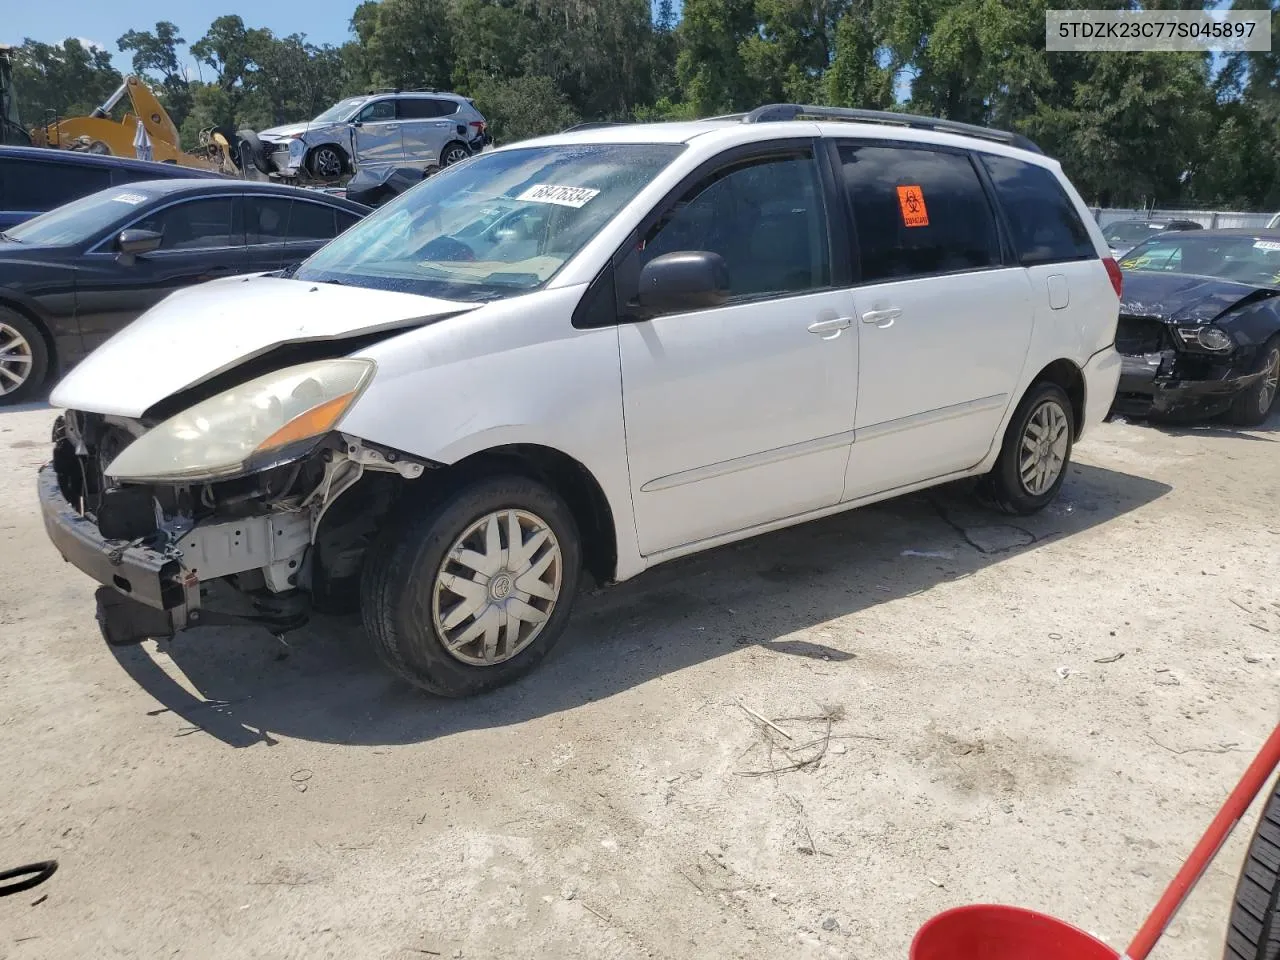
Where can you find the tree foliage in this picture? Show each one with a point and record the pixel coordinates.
(1128, 128)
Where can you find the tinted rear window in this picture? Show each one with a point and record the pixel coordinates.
(42, 185)
(1045, 225)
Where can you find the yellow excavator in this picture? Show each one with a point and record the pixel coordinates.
(98, 133)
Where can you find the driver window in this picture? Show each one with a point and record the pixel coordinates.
(765, 217)
(194, 225)
(374, 112)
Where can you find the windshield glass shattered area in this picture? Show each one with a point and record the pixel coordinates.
(1245, 259)
(498, 225)
(340, 110)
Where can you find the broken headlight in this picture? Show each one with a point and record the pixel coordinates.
(266, 421)
(1209, 338)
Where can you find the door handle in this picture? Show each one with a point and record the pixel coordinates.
(882, 318)
(830, 328)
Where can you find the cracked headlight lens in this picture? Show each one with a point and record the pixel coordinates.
(274, 418)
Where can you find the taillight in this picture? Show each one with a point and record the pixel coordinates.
(1113, 271)
(479, 125)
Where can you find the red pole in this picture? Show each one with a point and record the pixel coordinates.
(1264, 764)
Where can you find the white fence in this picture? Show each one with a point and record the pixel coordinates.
(1210, 219)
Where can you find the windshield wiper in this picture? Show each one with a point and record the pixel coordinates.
(9, 237)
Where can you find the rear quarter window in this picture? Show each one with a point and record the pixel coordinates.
(1045, 225)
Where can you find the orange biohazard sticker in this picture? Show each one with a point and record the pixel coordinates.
(911, 203)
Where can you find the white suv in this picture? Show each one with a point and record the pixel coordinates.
(598, 350)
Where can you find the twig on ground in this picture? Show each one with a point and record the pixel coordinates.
(697, 886)
(1239, 604)
(797, 763)
(587, 906)
(1258, 626)
(1225, 748)
(1111, 659)
(765, 720)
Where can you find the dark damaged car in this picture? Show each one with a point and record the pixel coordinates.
(1199, 330)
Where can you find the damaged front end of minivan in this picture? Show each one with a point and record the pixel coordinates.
(240, 490)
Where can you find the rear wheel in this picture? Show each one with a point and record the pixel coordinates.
(1037, 449)
(1252, 407)
(1254, 931)
(469, 593)
(24, 357)
(453, 152)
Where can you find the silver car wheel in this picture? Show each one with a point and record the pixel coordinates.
(455, 154)
(1043, 452)
(15, 359)
(326, 162)
(1270, 380)
(497, 587)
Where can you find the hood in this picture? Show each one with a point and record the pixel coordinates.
(288, 130)
(1183, 298)
(197, 333)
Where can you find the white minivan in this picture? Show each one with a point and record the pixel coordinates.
(593, 351)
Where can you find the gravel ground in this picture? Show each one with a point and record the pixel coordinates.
(957, 729)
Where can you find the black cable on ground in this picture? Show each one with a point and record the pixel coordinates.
(34, 874)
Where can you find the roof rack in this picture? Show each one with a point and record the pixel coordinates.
(400, 90)
(780, 112)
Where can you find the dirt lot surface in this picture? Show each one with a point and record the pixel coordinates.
(963, 732)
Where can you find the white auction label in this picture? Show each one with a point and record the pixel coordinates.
(563, 196)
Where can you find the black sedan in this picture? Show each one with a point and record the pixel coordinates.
(72, 277)
(1199, 328)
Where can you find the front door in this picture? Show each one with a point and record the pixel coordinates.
(203, 239)
(944, 321)
(377, 135)
(742, 414)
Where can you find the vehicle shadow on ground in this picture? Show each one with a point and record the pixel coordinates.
(1268, 431)
(327, 686)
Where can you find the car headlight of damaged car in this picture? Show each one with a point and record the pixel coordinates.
(269, 420)
(1212, 339)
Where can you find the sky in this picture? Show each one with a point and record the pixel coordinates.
(103, 21)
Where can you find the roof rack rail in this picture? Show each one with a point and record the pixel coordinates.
(778, 112)
(377, 90)
(592, 125)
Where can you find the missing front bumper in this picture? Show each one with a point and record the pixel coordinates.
(1143, 389)
(152, 591)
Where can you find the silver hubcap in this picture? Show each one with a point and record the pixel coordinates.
(1267, 395)
(497, 587)
(328, 164)
(15, 359)
(1044, 448)
(455, 155)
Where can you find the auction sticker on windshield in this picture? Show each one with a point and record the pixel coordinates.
(1266, 245)
(561, 196)
(131, 198)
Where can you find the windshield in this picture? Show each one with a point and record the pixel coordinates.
(1128, 232)
(494, 226)
(1245, 259)
(78, 220)
(340, 110)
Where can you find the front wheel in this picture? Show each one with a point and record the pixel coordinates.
(469, 593)
(1254, 931)
(1037, 449)
(1251, 407)
(326, 162)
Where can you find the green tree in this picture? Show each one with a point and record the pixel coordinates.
(67, 79)
(407, 43)
(157, 53)
(712, 74)
(524, 107)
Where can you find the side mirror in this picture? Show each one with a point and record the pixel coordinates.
(688, 280)
(357, 123)
(134, 243)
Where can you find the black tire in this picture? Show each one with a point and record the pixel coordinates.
(253, 151)
(1251, 407)
(399, 581)
(455, 151)
(36, 371)
(1254, 930)
(326, 162)
(1004, 485)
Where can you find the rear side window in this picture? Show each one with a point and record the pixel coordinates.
(421, 108)
(918, 212)
(266, 219)
(1044, 222)
(310, 221)
(39, 186)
